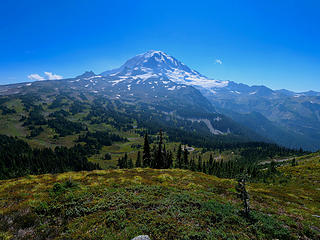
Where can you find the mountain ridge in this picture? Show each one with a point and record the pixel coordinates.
(156, 78)
(281, 107)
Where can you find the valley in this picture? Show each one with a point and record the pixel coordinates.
(145, 149)
(159, 120)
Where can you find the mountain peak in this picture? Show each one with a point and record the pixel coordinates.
(157, 63)
(152, 52)
(156, 54)
(87, 74)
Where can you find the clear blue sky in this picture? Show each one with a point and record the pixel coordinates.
(274, 43)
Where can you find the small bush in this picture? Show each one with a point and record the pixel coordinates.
(269, 227)
(59, 188)
(25, 221)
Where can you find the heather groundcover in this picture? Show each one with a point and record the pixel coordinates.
(164, 204)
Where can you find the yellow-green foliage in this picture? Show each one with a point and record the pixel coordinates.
(165, 204)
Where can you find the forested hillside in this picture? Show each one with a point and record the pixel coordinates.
(83, 131)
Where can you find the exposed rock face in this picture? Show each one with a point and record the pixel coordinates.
(142, 237)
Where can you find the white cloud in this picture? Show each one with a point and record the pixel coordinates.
(49, 76)
(36, 76)
(52, 76)
(218, 61)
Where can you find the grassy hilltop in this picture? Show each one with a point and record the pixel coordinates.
(165, 204)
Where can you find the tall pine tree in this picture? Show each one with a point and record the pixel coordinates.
(185, 158)
(138, 161)
(159, 161)
(210, 165)
(130, 163)
(179, 156)
(200, 164)
(146, 158)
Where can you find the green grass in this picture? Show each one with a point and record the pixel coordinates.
(10, 125)
(165, 204)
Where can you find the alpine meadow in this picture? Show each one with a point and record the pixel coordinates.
(147, 144)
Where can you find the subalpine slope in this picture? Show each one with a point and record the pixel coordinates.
(165, 204)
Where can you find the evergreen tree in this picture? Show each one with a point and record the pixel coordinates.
(179, 156)
(120, 162)
(272, 167)
(125, 161)
(153, 162)
(159, 159)
(294, 162)
(204, 167)
(192, 165)
(210, 165)
(138, 161)
(165, 155)
(185, 158)
(169, 160)
(146, 158)
(200, 164)
(130, 163)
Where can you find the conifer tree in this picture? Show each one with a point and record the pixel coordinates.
(200, 164)
(192, 165)
(153, 162)
(210, 165)
(146, 158)
(159, 160)
(165, 156)
(120, 163)
(185, 158)
(130, 163)
(169, 160)
(204, 167)
(179, 156)
(138, 161)
(125, 161)
(272, 167)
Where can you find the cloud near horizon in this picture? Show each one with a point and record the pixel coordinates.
(49, 76)
(35, 76)
(52, 76)
(218, 61)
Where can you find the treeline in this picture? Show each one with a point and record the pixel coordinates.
(158, 157)
(249, 151)
(17, 159)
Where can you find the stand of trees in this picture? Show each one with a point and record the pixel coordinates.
(17, 159)
(95, 140)
(158, 157)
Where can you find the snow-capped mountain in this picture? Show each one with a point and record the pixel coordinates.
(159, 64)
(295, 115)
(163, 82)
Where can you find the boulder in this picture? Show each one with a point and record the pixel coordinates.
(142, 237)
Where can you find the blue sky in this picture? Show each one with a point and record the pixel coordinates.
(274, 43)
